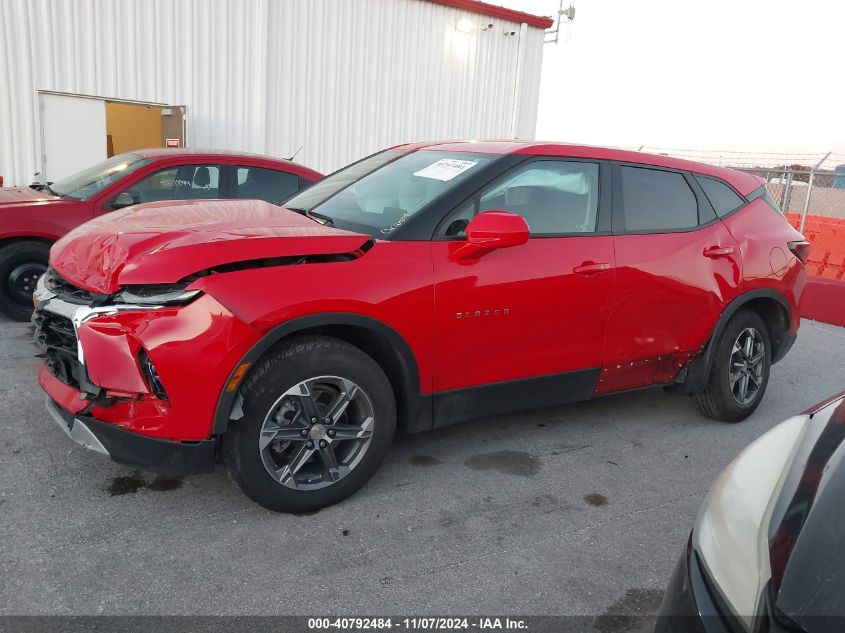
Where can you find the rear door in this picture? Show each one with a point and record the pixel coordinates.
(532, 317)
(677, 266)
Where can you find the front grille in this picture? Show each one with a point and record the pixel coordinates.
(68, 292)
(55, 338)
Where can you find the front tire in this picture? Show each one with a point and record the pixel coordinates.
(740, 371)
(319, 418)
(21, 264)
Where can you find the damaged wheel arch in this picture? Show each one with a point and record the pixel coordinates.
(384, 344)
(771, 305)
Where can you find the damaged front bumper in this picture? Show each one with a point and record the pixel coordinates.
(131, 449)
(75, 428)
(97, 377)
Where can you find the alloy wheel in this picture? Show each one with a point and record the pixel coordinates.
(316, 433)
(747, 365)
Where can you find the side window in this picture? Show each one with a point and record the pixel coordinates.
(185, 182)
(762, 193)
(553, 196)
(723, 198)
(655, 200)
(265, 184)
(456, 224)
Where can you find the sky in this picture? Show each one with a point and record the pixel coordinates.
(730, 76)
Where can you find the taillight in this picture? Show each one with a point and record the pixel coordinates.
(800, 249)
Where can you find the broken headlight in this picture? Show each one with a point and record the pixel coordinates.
(157, 295)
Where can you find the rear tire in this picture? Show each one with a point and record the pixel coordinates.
(319, 418)
(740, 371)
(21, 264)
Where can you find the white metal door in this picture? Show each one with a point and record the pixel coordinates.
(73, 134)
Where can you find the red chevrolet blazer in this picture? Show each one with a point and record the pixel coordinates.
(32, 218)
(421, 286)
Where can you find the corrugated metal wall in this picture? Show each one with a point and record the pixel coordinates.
(339, 78)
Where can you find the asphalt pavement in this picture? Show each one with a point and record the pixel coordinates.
(577, 510)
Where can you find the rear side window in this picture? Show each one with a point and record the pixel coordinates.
(265, 184)
(655, 200)
(762, 193)
(721, 196)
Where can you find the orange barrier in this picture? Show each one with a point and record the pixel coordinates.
(827, 237)
(824, 296)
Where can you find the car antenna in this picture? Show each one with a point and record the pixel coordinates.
(296, 152)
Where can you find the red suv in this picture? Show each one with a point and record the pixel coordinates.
(421, 286)
(32, 218)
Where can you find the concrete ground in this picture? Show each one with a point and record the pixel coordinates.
(581, 509)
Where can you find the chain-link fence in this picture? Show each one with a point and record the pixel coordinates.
(806, 192)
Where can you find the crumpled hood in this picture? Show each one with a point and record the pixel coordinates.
(164, 242)
(808, 527)
(24, 195)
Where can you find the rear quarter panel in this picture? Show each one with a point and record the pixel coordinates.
(767, 263)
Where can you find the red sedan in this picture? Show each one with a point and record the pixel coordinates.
(421, 286)
(32, 218)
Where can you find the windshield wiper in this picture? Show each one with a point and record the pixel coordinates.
(317, 217)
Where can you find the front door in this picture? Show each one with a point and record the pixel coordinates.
(529, 320)
(195, 181)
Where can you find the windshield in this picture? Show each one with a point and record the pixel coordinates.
(93, 180)
(380, 193)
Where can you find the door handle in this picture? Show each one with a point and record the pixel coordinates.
(591, 268)
(718, 251)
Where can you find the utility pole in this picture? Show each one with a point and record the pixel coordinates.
(553, 34)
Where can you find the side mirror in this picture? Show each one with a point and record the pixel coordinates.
(491, 230)
(123, 199)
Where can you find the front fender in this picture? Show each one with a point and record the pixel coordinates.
(388, 291)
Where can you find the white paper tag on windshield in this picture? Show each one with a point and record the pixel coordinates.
(445, 169)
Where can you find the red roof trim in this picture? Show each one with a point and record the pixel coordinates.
(494, 11)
